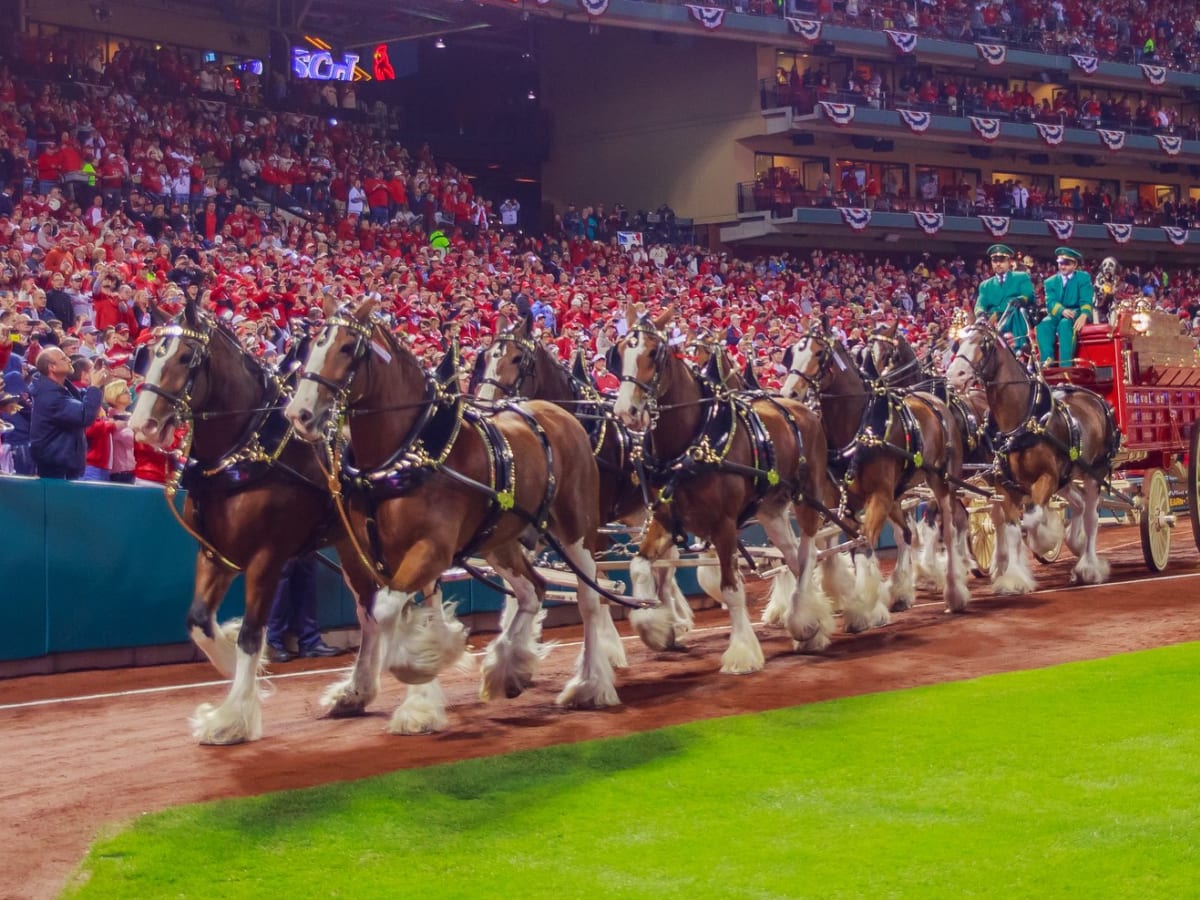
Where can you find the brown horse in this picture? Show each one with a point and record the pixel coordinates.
(518, 366)
(255, 498)
(432, 481)
(881, 445)
(1047, 439)
(715, 459)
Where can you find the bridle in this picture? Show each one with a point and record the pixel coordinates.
(650, 390)
(988, 340)
(823, 358)
(526, 347)
(362, 332)
(181, 400)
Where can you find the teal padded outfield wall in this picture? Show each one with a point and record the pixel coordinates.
(103, 566)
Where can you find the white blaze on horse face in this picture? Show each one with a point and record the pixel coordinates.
(491, 374)
(627, 406)
(960, 373)
(141, 422)
(801, 357)
(307, 408)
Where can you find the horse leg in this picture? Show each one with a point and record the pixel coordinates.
(513, 656)
(866, 605)
(238, 718)
(806, 615)
(1076, 532)
(956, 594)
(672, 596)
(218, 643)
(1042, 530)
(655, 625)
(424, 708)
(1011, 573)
(902, 586)
(1090, 569)
(351, 695)
(931, 571)
(744, 654)
(591, 686)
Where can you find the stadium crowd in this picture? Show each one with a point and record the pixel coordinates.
(113, 202)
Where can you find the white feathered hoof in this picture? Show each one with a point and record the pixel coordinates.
(583, 693)
(901, 603)
(422, 712)
(508, 668)
(1090, 571)
(779, 603)
(422, 643)
(810, 629)
(222, 725)
(815, 644)
(656, 628)
(1014, 582)
(744, 659)
(1043, 530)
(342, 700)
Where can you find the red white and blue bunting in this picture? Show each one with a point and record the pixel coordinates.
(1113, 140)
(1051, 134)
(1062, 229)
(806, 28)
(988, 129)
(996, 226)
(917, 120)
(1171, 144)
(840, 114)
(594, 8)
(1119, 233)
(1177, 236)
(711, 17)
(1156, 75)
(856, 218)
(1087, 64)
(992, 54)
(928, 222)
(904, 41)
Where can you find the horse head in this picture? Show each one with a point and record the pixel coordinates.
(508, 362)
(173, 364)
(328, 373)
(883, 347)
(644, 351)
(974, 348)
(807, 361)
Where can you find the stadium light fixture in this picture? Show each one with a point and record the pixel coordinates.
(440, 44)
(532, 95)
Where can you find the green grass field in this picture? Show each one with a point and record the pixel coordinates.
(1077, 781)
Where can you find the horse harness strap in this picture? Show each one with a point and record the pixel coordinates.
(885, 410)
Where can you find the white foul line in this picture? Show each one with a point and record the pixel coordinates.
(166, 689)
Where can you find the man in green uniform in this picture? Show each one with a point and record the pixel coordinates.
(1069, 297)
(1004, 298)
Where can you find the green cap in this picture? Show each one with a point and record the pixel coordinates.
(1000, 250)
(1060, 252)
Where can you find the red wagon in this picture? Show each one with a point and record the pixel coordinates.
(1147, 368)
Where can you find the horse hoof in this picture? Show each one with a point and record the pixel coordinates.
(902, 603)
(348, 710)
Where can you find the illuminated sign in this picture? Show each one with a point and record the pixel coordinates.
(321, 65)
(383, 64)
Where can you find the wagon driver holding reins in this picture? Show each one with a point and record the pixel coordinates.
(1004, 298)
(1069, 301)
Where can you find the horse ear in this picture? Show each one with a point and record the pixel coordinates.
(477, 373)
(712, 371)
(579, 367)
(523, 329)
(191, 313)
(501, 324)
(750, 378)
(365, 309)
(890, 330)
(447, 370)
(157, 319)
(329, 306)
(788, 356)
(630, 316)
(665, 317)
(868, 366)
(825, 322)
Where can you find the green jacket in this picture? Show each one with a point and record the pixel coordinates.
(1076, 293)
(996, 297)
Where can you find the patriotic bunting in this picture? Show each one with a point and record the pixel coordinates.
(806, 28)
(1171, 144)
(711, 17)
(1062, 229)
(858, 219)
(1156, 75)
(1087, 64)
(997, 226)
(988, 129)
(1119, 233)
(1113, 140)
(1051, 134)
(840, 114)
(1177, 236)
(992, 54)
(930, 223)
(594, 7)
(904, 41)
(916, 120)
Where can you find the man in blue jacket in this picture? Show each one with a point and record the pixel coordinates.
(61, 415)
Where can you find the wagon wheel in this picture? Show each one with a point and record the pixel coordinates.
(1193, 483)
(981, 535)
(1059, 511)
(1156, 520)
